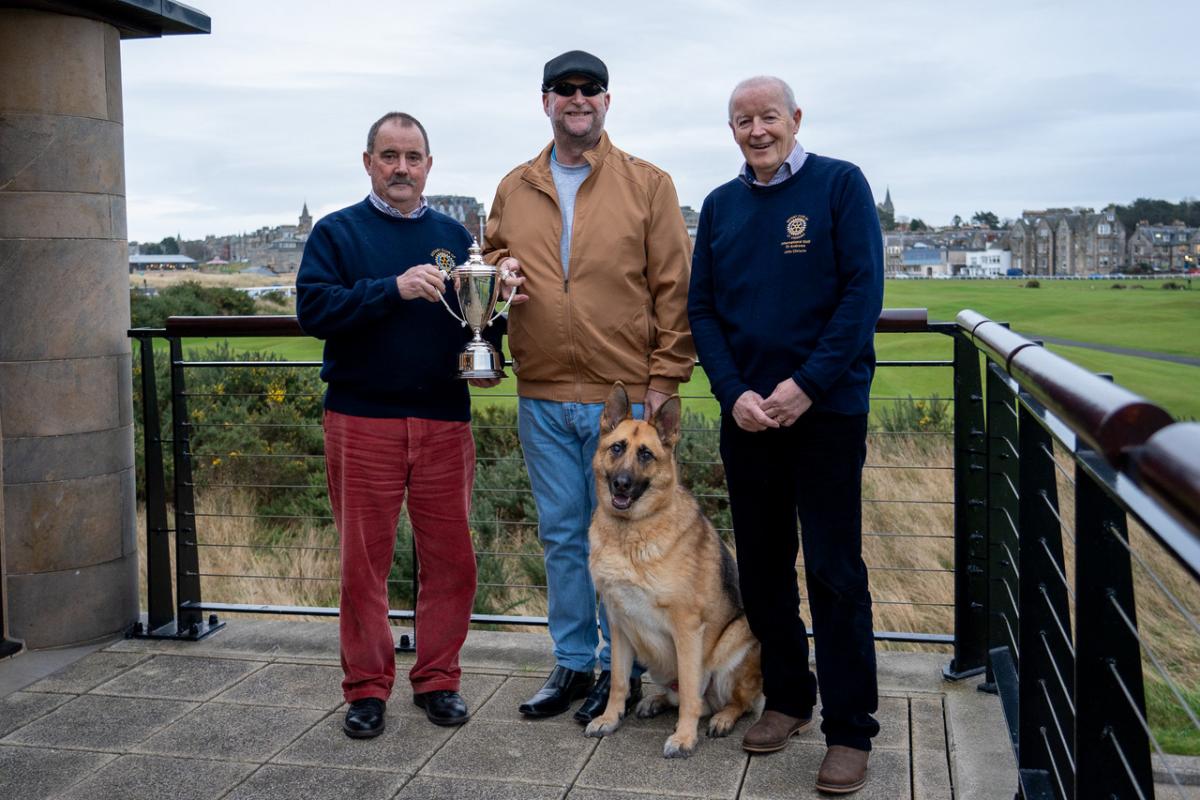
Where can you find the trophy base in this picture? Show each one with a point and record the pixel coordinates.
(480, 360)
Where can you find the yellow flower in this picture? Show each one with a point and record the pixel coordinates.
(275, 394)
(216, 462)
(219, 389)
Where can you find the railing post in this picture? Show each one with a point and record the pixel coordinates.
(970, 515)
(1003, 474)
(190, 622)
(1046, 671)
(1110, 740)
(160, 609)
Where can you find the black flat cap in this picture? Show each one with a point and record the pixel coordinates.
(574, 62)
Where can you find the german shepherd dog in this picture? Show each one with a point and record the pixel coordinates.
(669, 584)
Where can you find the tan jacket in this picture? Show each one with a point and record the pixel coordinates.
(623, 313)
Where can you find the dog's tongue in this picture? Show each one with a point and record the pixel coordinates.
(621, 502)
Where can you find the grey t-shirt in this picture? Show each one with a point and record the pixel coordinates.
(566, 182)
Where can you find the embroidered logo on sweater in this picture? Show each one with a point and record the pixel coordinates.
(443, 259)
(797, 226)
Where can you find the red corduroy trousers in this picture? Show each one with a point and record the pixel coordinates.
(371, 465)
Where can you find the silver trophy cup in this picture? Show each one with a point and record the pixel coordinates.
(478, 288)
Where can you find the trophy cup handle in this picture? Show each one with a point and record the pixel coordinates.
(447, 275)
(504, 274)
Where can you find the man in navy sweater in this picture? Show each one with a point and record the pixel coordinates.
(786, 288)
(397, 422)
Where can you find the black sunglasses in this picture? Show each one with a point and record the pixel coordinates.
(566, 89)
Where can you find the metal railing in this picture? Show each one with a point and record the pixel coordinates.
(1043, 594)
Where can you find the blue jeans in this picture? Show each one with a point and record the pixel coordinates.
(559, 440)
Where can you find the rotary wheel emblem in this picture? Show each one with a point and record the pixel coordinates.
(796, 226)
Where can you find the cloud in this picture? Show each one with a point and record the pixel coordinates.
(956, 107)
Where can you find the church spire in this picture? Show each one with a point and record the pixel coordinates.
(887, 201)
(305, 225)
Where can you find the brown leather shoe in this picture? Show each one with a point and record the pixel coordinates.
(772, 731)
(844, 770)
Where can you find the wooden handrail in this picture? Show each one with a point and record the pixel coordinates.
(1108, 417)
(892, 320)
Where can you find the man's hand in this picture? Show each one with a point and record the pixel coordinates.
(652, 401)
(513, 282)
(787, 403)
(484, 383)
(422, 281)
(749, 415)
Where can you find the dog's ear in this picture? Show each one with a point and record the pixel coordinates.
(666, 421)
(616, 408)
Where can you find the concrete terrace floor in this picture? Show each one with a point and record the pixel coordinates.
(255, 712)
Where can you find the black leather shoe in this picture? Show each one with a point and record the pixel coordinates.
(597, 699)
(443, 707)
(563, 686)
(364, 718)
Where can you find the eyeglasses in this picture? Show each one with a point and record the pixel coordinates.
(567, 89)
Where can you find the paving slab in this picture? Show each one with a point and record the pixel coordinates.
(468, 789)
(511, 751)
(87, 673)
(629, 760)
(792, 773)
(981, 757)
(501, 706)
(475, 689)
(405, 745)
(137, 777)
(278, 782)
(930, 766)
(232, 733)
(179, 678)
(20, 708)
(107, 724)
(33, 773)
(581, 793)
(290, 686)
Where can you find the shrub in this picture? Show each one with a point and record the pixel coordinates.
(1173, 286)
(1117, 286)
(923, 415)
(187, 299)
(1033, 284)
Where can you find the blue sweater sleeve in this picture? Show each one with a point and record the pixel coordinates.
(716, 357)
(858, 249)
(327, 304)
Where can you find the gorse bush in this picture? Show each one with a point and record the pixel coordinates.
(922, 415)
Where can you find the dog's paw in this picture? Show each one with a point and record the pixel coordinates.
(602, 726)
(679, 746)
(721, 723)
(652, 706)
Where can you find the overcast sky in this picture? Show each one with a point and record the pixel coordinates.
(957, 106)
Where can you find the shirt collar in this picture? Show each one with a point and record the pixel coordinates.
(787, 169)
(416, 213)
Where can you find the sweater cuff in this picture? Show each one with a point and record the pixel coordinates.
(391, 290)
(808, 387)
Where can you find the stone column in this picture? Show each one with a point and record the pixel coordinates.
(65, 399)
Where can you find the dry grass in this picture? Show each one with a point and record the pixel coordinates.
(163, 279)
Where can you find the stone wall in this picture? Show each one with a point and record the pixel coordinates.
(65, 399)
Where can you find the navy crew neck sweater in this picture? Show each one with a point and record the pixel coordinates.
(384, 356)
(787, 281)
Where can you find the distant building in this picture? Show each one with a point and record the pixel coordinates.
(466, 210)
(140, 263)
(1164, 248)
(1064, 241)
(987, 264)
(691, 220)
(886, 205)
(926, 261)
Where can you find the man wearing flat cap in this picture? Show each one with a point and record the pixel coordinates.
(601, 241)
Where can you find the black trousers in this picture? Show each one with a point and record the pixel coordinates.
(811, 471)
